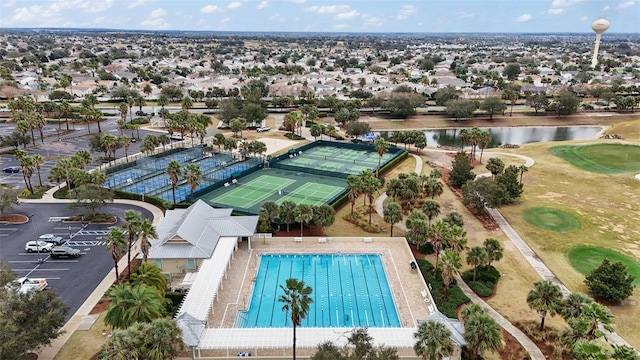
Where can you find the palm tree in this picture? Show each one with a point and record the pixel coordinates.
(288, 212)
(124, 110)
(150, 274)
(130, 304)
(523, 169)
(433, 341)
(296, 302)
(494, 250)
(464, 135)
(126, 142)
(132, 226)
(473, 309)
(433, 187)
(270, 210)
(116, 244)
(456, 238)
(381, 147)
(451, 264)
(431, 208)
(437, 234)
(163, 100)
(304, 214)
(546, 298)
(597, 315)
(572, 305)
(324, 215)
(477, 256)
(590, 350)
(483, 141)
(193, 174)
(370, 184)
(174, 170)
(392, 214)
(354, 188)
(482, 333)
(26, 164)
(110, 143)
(38, 161)
(187, 103)
(147, 231)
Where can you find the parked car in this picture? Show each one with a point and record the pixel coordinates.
(64, 251)
(25, 284)
(263, 129)
(11, 169)
(176, 137)
(50, 238)
(37, 246)
(141, 113)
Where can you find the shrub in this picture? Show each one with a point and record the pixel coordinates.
(140, 121)
(455, 295)
(174, 299)
(293, 136)
(481, 288)
(426, 248)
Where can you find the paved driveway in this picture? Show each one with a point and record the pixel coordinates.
(72, 279)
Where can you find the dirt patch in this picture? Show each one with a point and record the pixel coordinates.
(294, 230)
(100, 307)
(13, 219)
(512, 348)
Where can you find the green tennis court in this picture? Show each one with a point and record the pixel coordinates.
(312, 193)
(253, 192)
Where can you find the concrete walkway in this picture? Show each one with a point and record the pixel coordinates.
(49, 352)
(527, 344)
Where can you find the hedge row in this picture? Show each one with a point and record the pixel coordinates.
(161, 203)
(455, 296)
(485, 282)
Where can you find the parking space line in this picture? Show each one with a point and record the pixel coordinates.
(38, 269)
(22, 261)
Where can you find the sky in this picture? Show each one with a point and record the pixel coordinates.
(391, 16)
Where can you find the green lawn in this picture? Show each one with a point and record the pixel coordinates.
(551, 219)
(601, 158)
(585, 259)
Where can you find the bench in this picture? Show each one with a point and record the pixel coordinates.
(297, 239)
(322, 240)
(424, 294)
(368, 240)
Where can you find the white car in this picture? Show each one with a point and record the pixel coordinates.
(37, 246)
(50, 238)
(263, 129)
(25, 285)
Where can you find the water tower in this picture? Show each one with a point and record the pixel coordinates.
(599, 26)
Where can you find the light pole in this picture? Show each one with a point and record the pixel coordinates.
(69, 232)
(35, 235)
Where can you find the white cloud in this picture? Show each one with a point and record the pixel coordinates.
(96, 7)
(157, 13)
(523, 18)
(210, 9)
(327, 9)
(234, 5)
(225, 20)
(584, 18)
(466, 15)
(406, 11)
(156, 24)
(373, 21)
(137, 3)
(298, 1)
(9, 3)
(340, 27)
(558, 6)
(347, 15)
(24, 14)
(626, 4)
(277, 17)
(262, 5)
(606, 8)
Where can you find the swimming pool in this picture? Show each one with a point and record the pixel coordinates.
(349, 290)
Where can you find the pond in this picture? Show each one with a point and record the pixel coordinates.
(513, 135)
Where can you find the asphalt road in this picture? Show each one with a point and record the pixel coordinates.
(72, 279)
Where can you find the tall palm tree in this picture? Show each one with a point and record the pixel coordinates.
(193, 175)
(288, 212)
(27, 166)
(464, 135)
(110, 143)
(124, 110)
(482, 334)
(471, 310)
(523, 169)
(392, 214)
(546, 298)
(433, 341)
(437, 235)
(494, 250)
(130, 304)
(150, 274)
(370, 184)
(304, 215)
(354, 188)
(116, 244)
(163, 100)
(451, 264)
(125, 140)
(174, 170)
(324, 215)
(38, 161)
(147, 231)
(270, 210)
(296, 299)
(477, 256)
(433, 187)
(431, 208)
(381, 147)
(483, 141)
(132, 221)
(187, 103)
(456, 238)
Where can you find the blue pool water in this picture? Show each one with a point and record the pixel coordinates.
(349, 290)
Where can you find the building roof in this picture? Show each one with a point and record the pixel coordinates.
(191, 329)
(456, 327)
(194, 232)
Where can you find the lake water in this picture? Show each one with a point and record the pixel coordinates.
(513, 135)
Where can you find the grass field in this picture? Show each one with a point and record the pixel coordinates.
(601, 158)
(585, 259)
(551, 219)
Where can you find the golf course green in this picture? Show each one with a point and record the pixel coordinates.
(585, 259)
(551, 219)
(601, 158)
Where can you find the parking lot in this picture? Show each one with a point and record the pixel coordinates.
(73, 279)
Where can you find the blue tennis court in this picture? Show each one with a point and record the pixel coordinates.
(349, 290)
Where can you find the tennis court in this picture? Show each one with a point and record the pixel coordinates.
(312, 193)
(250, 193)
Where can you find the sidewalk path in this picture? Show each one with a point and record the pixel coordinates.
(49, 352)
(527, 344)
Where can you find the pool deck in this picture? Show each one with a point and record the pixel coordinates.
(407, 286)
